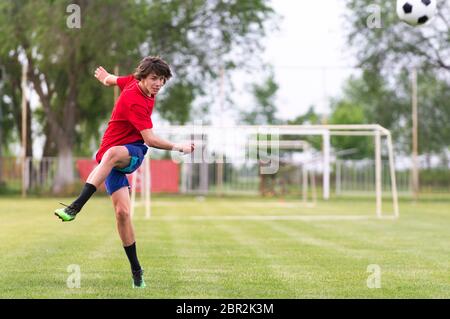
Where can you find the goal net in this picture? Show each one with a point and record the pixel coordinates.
(265, 161)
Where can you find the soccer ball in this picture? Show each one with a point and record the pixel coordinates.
(416, 12)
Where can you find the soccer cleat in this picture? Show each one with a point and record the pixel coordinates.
(138, 280)
(66, 214)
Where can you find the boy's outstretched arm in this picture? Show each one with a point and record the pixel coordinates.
(104, 77)
(155, 141)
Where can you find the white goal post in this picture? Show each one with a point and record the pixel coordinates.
(191, 133)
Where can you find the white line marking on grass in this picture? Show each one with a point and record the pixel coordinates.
(275, 204)
(242, 204)
(262, 217)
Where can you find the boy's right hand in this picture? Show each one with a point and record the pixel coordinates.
(101, 74)
(185, 148)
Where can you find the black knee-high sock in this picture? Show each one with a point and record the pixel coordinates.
(85, 194)
(132, 257)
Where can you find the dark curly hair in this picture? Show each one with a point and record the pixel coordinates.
(152, 65)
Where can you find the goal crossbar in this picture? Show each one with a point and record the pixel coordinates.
(325, 131)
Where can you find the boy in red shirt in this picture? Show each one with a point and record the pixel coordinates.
(124, 146)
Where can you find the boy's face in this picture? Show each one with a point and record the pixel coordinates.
(153, 83)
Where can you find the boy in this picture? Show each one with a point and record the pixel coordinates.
(124, 146)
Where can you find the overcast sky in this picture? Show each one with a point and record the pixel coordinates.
(308, 53)
(309, 56)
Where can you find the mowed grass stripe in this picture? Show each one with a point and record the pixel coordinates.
(318, 268)
(220, 259)
(37, 252)
(198, 248)
(157, 253)
(179, 266)
(260, 267)
(211, 262)
(349, 247)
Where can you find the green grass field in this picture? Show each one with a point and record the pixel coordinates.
(228, 248)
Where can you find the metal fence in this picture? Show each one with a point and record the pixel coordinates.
(38, 175)
(347, 177)
(358, 176)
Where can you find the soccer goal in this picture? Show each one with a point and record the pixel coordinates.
(243, 159)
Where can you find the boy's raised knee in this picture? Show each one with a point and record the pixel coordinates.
(122, 214)
(113, 155)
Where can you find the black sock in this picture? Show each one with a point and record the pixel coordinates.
(132, 257)
(86, 193)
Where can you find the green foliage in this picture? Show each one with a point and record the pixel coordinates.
(369, 100)
(396, 45)
(176, 106)
(10, 108)
(387, 56)
(380, 103)
(196, 37)
(264, 111)
(309, 118)
(61, 61)
(391, 108)
(435, 180)
(433, 113)
(349, 113)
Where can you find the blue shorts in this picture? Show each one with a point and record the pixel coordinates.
(117, 178)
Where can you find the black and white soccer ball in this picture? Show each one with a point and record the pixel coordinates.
(416, 12)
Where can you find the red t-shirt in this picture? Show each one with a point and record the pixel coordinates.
(130, 115)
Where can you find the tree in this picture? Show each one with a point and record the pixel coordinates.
(345, 112)
(396, 45)
(11, 107)
(376, 103)
(195, 36)
(264, 111)
(387, 56)
(1, 126)
(434, 116)
(173, 107)
(59, 61)
(310, 117)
